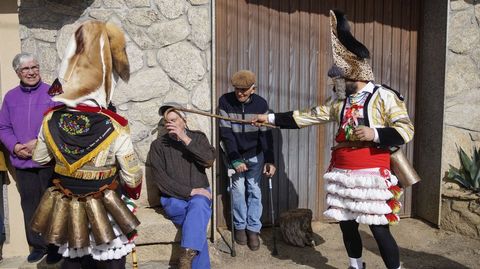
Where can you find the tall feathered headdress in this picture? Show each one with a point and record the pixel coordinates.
(349, 55)
(95, 57)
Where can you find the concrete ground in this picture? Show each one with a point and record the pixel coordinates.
(421, 247)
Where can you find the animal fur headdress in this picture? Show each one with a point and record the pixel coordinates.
(94, 59)
(349, 55)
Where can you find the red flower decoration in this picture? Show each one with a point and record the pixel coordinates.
(385, 173)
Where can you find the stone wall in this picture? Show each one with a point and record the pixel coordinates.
(168, 45)
(462, 89)
(460, 211)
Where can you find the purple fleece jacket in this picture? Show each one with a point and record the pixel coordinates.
(21, 117)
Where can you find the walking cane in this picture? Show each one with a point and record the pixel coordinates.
(231, 172)
(274, 251)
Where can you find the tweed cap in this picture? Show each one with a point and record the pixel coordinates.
(243, 79)
(169, 105)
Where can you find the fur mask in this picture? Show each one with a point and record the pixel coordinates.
(94, 59)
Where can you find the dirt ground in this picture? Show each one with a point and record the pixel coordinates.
(421, 246)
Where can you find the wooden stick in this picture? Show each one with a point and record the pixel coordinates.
(219, 116)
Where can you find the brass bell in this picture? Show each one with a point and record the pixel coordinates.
(43, 213)
(125, 219)
(402, 168)
(100, 224)
(78, 234)
(57, 231)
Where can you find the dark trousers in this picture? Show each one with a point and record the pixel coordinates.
(31, 184)
(385, 241)
(87, 262)
(3, 179)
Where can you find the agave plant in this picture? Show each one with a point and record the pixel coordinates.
(469, 173)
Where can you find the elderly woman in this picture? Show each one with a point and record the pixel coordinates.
(20, 120)
(178, 160)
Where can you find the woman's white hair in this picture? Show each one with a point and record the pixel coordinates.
(21, 58)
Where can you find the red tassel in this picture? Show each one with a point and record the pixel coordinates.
(396, 191)
(392, 218)
(394, 205)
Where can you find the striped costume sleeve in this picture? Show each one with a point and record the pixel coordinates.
(315, 115)
(399, 128)
(130, 172)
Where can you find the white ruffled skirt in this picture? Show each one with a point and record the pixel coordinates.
(116, 249)
(368, 196)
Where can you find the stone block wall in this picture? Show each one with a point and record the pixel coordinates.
(462, 89)
(168, 46)
(460, 211)
(460, 208)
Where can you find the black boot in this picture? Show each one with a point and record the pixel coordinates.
(52, 254)
(253, 240)
(241, 237)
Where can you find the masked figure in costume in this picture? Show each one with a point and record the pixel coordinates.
(96, 169)
(372, 118)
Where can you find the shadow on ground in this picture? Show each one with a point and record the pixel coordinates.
(413, 259)
(308, 256)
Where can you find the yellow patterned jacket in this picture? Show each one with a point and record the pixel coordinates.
(385, 111)
(114, 155)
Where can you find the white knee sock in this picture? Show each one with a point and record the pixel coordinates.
(356, 263)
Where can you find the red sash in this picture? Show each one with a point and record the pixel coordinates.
(360, 158)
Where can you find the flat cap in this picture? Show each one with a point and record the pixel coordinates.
(169, 105)
(243, 79)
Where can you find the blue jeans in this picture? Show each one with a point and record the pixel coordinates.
(247, 213)
(193, 216)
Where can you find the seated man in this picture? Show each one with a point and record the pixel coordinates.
(178, 160)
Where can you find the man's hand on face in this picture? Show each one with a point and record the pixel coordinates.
(177, 132)
(364, 133)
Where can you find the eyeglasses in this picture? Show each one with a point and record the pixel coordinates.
(25, 70)
(245, 89)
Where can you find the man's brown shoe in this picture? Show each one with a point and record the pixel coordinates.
(186, 258)
(240, 237)
(253, 240)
